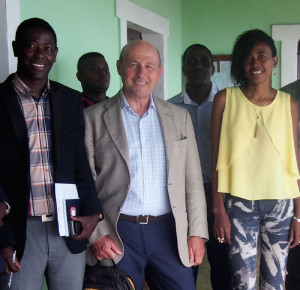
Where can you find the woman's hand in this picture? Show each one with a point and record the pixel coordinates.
(294, 237)
(222, 228)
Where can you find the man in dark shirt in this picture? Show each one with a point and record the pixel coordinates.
(93, 73)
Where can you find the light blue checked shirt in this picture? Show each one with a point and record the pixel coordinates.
(148, 193)
(201, 118)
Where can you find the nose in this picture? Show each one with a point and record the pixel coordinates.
(103, 72)
(197, 64)
(141, 71)
(254, 61)
(39, 51)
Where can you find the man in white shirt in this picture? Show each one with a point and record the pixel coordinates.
(197, 97)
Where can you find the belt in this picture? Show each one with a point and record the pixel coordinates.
(43, 218)
(144, 219)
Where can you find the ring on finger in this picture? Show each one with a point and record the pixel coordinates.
(221, 240)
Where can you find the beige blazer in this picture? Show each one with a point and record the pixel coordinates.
(108, 155)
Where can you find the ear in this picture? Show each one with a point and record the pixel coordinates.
(183, 70)
(275, 61)
(119, 68)
(78, 76)
(15, 48)
(55, 52)
(159, 72)
(212, 70)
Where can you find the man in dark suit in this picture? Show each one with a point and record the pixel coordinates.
(42, 143)
(4, 239)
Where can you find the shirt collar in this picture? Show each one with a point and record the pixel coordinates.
(188, 101)
(124, 103)
(28, 92)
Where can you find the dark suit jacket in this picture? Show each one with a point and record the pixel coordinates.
(5, 239)
(69, 159)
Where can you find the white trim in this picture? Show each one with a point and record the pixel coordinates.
(9, 21)
(155, 26)
(289, 36)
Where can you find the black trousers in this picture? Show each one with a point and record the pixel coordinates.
(217, 254)
(292, 281)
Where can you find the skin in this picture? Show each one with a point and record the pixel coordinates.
(36, 53)
(140, 72)
(198, 70)
(3, 208)
(94, 76)
(258, 69)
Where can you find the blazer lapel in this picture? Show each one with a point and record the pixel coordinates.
(15, 113)
(166, 118)
(56, 117)
(114, 122)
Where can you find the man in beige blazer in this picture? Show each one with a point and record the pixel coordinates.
(144, 159)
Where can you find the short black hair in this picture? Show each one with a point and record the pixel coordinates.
(199, 46)
(242, 48)
(34, 23)
(85, 56)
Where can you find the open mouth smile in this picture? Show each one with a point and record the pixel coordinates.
(38, 65)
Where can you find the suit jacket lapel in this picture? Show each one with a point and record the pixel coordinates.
(15, 112)
(166, 118)
(114, 122)
(56, 117)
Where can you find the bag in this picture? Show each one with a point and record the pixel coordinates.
(100, 277)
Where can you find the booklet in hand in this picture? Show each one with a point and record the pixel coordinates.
(73, 209)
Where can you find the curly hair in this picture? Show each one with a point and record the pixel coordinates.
(242, 48)
(32, 23)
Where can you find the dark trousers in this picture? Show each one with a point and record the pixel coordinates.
(217, 253)
(150, 252)
(292, 281)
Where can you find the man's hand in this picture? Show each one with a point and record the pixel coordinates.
(105, 248)
(196, 250)
(7, 254)
(3, 208)
(88, 224)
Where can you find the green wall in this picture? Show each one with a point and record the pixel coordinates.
(81, 26)
(91, 25)
(217, 23)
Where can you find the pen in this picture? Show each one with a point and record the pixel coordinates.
(11, 273)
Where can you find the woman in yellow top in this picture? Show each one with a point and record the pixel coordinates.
(255, 153)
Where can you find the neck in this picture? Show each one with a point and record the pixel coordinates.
(37, 86)
(95, 97)
(139, 105)
(198, 93)
(260, 95)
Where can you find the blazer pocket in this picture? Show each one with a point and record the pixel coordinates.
(181, 143)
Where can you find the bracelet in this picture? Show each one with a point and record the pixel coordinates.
(296, 219)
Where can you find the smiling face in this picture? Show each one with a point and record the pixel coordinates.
(36, 52)
(94, 75)
(198, 67)
(259, 63)
(140, 70)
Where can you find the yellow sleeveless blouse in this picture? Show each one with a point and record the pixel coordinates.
(257, 157)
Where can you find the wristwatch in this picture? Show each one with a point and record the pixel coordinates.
(7, 211)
